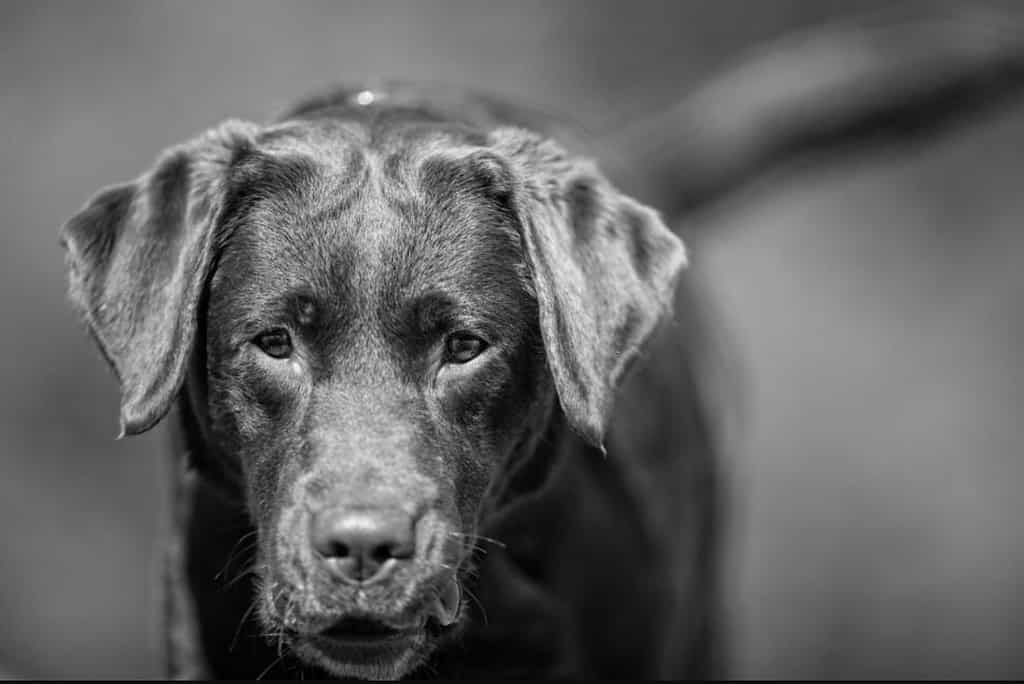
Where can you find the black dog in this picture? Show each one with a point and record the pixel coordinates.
(405, 327)
(397, 326)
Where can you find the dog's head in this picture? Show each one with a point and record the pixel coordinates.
(380, 320)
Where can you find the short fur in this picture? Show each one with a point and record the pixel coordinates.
(564, 479)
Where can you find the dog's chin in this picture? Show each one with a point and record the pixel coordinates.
(368, 647)
(365, 649)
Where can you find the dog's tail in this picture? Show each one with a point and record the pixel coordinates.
(882, 79)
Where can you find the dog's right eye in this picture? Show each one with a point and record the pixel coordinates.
(463, 348)
(276, 343)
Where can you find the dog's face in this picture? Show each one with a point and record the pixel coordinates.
(373, 356)
(388, 317)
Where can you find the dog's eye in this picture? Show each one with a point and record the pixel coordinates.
(276, 343)
(462, 347)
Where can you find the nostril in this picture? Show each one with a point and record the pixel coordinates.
(338, 550)
(385, 552)
(381, 553)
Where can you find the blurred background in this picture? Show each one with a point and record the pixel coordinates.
(873, 300)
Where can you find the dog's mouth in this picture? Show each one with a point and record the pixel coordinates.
(363, 631)
(347, 645)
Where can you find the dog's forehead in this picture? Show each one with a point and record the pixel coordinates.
(345, 212)
(400, 145)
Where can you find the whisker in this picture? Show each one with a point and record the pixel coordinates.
(269, 635)
(245, 572)
(238, 630)
(483, 611)
(270, 667)
(480, 537)
(287, 612)
(236, 551)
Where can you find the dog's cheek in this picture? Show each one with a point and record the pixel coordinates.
(252, 409)
(259, 424)
(466, 395)
(235, 416)
(245, 403)
(486, 406)
(488, 410)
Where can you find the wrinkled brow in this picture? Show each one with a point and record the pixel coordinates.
(435, 312)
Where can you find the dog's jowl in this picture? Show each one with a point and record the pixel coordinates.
(432, 386)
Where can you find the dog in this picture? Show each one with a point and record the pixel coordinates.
(399, 329)
(437, 384)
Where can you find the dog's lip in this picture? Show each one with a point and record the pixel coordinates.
(367, 637)
(364, 630)
(447, 605)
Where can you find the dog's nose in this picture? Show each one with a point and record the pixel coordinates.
(363, 544)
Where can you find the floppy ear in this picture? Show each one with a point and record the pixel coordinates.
(604, 268)
(138, 256)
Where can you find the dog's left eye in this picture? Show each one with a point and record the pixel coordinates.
(462, 348)
(276, 343)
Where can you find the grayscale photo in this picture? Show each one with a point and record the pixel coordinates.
(441, 339)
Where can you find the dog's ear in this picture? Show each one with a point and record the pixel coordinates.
(604, 268)
(138, 256)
